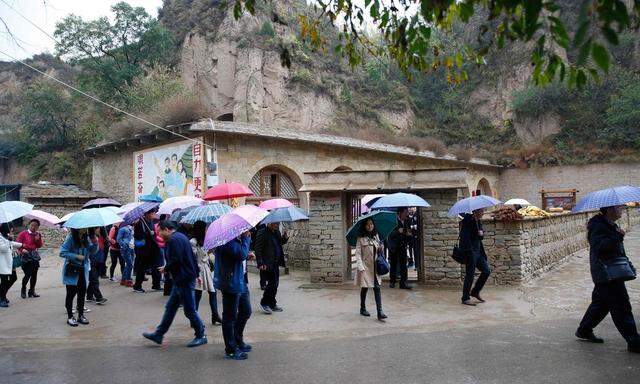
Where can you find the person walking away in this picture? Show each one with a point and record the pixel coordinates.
(162, 248)
(205, 263)
(263, 273)
(471, 235)
(147, 252)
(114, 252)
(414, 241)
(368, 246)
(606, 242)
(230, 279)
(270, 257)
(7, 270)
(31, 241)
(77, 250)
(183, 267)
(96, 261)
(126, 246)
(398, 241)
(104, 233)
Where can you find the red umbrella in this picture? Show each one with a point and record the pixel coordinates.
(227, 191)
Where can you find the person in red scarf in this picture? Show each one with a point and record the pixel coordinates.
(31, 241)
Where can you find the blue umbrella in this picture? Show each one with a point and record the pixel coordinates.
(11, 210)
(400, 199)
(136, 213)
(608, 198)
(285, 215)
(206, 213)
(92, 217)
(384, 221)
(470, 204)
(150, 198)
(177, 215)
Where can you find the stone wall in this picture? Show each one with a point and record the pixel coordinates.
(113, 175)
(326, 238)
(297, 248)
(440, 236)
(527, 183)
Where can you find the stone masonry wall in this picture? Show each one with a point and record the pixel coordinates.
(326, 238)
(113, 175)
(440, 236)
(297, 248)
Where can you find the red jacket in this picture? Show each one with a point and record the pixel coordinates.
(113, 234)
(29, 241)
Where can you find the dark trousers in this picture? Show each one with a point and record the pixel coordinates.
(376, 294)
(181, 293)
(93, 290)
(141, 271)
(272, 280)
(398, 259)
(236, 310)
(213, 302)
(475, 260)
(6, 281)
(263, 279)
(115, 258)
(72, 291)
(168, 284)
(611, 297)
(30, 269)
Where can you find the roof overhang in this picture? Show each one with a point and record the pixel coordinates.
(386, 180)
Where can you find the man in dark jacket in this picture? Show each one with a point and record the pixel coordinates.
(270, 257)
(606, 243)
(397, 242)
(230, 278)
(147, 253)
(183, 267)
(471, 235)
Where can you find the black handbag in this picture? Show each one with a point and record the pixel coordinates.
(458, 255)
(382, 265)
(618, 269)
(73, 270)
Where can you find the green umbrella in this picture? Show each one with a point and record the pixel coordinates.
(384, 221)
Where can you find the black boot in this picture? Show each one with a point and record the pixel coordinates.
(23, 292)
(363, 299)
(215, 319)
(378, 297)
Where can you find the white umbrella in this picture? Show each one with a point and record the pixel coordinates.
(179, 202)
(46, 219)
(470, 204)
(11, 210)
(65, 218)
(521, 202)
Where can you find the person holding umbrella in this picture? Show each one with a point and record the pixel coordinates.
(368, 246)
(398, 242)
(205, 282)
(147, 251)
(471, 235)
(270, 257)
(7, 269)
(77, 250)
(31, 241)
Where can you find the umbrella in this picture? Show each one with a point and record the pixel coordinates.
(92, 217)
(45, 219)
(227, 191)
(150, 198)
(521, 202)
(136, 213)
(288, 214)
(400, 199)
(206, 213)
(179, 202)
(101, 203)
(11, 210)
(116, 210)
(470, 204)
(177, 215)
(127, 207)
(608, 198)
(232, 224)
(369, 200)
(275, 203)
(384, 221)
(65, 218)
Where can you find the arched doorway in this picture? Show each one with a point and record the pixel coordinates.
(483, 188)
(275, 182)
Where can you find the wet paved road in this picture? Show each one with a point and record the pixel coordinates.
(523, 335)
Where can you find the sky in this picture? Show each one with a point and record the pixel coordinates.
(45, 14)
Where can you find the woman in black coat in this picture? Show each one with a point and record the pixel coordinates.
(471, 235)
(606, 243)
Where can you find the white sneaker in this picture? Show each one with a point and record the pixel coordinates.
(265, 309)
(72, 322)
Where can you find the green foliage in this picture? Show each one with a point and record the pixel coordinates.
(537, 101)
(267, 29)
(623, 118)
(147, 92)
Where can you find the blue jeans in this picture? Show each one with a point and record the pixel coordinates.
(181, 294)
(475, 260)
(127, 256)
(236, 311)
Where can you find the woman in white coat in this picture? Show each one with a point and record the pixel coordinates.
(205, 281)
(7, 271)
(367, 247)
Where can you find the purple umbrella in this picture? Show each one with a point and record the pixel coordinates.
(136, 213)
(233, 224)
(100, 203)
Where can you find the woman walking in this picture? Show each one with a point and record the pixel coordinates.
(114, 252)
(367, 248)
(31, 241)
(77, 250)
(606, 243)
(97, 260)
(124, 239)
(7, 270)
(471, 235)
(205, 282)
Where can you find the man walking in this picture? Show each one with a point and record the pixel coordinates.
(230, 278)
(270, 257)
(398, 241)
(147, 252)
(183, 267)
(471, 235)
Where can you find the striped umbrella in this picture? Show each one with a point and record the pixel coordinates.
(176, 216)
(206, 213)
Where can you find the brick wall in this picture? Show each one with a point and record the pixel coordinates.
(297, 248)
(527, 183)
(326, 238)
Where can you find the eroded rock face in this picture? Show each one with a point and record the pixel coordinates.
(534, 130)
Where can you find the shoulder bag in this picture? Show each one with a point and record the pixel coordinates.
(382, 265)
(618, 269)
